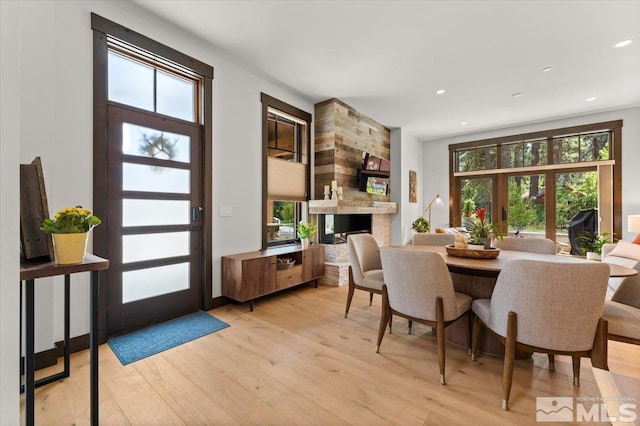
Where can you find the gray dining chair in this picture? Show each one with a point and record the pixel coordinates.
(548, 307)
(365, 268)
(531, 245)
(428, 239)
(622, 312)
(418, 287)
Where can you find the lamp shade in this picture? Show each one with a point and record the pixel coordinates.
(633, 223)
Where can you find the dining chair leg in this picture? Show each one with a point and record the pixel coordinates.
(475, 335)
(509, 356)
(410, 325)
(576, 370)
(599, 353)
(384, 317)
(370, 299)
(469, 331)
(440, 328)
(390, 322)
(350, 294)
(552, 362)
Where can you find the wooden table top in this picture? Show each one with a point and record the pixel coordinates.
(494, 266)
(33, 270)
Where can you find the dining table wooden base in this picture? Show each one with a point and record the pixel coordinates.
(478, 287)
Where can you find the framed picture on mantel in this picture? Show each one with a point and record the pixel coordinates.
(413, 187)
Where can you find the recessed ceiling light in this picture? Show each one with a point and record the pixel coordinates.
(591, 99)
(546, 69)
(517, 95)
(623, 43)
(440, 91)
(464, 123)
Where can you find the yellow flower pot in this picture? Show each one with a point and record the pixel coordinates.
(70, 248)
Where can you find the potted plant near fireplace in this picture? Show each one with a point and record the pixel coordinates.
(421, 225)
(306, 231)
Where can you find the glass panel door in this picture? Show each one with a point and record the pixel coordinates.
(576, 195)
(476, 193)
(526, 206)
(155, 232)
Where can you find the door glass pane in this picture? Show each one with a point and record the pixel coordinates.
(151, 282)
(130, 82)
(175, 96)
(140, 177)
(479, 192)
(155, 212)
(136, 248)
(146, 142)
(526, 206)
(575, 192)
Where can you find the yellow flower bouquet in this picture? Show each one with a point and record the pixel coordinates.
(71, 220)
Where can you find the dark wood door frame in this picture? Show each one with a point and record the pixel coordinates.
(101, 29)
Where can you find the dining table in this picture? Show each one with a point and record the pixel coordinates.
(477, 277)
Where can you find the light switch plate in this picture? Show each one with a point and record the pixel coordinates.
(226, 211)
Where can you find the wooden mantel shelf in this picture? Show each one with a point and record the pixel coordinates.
(351, 207)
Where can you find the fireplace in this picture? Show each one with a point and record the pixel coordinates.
(335, 228)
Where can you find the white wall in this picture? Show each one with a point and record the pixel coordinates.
(406, 154)
(437, 169)
(47, 110)
(9, 211)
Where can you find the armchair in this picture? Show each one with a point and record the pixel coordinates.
(548, 307)
(365, 267)
(418, 287)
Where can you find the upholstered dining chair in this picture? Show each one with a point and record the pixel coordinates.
(365, 268)
(427, 239)
(531, 245)
(418, 287)
(549, 307)
(622, 312)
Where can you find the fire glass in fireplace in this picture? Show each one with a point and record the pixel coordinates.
(335, 228)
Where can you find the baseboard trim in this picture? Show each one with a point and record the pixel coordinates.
(217, 302)
(50, 356)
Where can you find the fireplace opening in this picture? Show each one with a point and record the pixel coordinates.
(335, 228)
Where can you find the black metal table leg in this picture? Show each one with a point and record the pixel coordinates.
(67, 326)
(93, 345)
(29, 356)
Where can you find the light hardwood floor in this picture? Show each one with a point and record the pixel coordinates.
(295, 360)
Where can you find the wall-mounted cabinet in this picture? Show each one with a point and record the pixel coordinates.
(247, 276)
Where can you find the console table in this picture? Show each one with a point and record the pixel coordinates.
(29, 271)
(247, 276)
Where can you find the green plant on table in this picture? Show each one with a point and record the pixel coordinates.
(483, 229)
(71, 220)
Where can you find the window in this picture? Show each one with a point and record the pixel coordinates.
(286, 136)
(578, 167)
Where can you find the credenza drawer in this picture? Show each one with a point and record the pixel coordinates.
(289, 277)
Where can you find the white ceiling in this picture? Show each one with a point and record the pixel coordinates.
(387, 58)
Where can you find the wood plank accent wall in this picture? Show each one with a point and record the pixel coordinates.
(342, 134)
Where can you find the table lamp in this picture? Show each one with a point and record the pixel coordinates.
(439, 203)
(633, 225)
